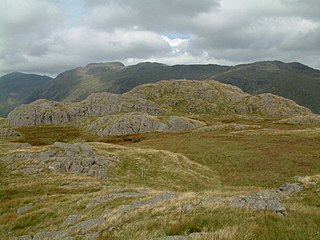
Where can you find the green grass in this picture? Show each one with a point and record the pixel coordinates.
(248, 160)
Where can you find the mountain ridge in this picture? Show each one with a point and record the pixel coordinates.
(294, 80)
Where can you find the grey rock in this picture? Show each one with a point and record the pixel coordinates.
(8, 132)
(44, 112)
(177, 237)
(260, 201)
(160, 197)
(24, 209)
(20, 145)
(237, 202)
(276, 106)
(78, 158)
(182, 123)
(31, 169)
(86, 226)
(131, 123)
(290, 188)
(111, 196)
(128, 123)
(71, 220)
(54, 235)
(24, 237)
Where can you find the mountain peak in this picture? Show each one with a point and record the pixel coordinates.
(97, 68)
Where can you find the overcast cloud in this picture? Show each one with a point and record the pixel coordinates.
(50, 36)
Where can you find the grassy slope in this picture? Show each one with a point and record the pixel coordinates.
(229, 163)
(294, 81)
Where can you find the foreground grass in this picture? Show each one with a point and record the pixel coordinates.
(245, 160)
(197, 165)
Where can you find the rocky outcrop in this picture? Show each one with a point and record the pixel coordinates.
(44, 112)
(288, 189)
(176, 124)
(131, 123)
(126, 124)
(178, 96)
(276, 106)
(301, 120)
(24, 209)
(8, 132)
(261, 201)
(78, 158)
(214, 97)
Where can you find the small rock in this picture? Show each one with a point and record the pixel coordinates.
(86, 226)
(54, 235)
(71, 220)
(20, 145)
(177, 237)
(290, 188)
(24, 209)
(237, 202)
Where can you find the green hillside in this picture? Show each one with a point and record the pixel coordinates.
(291, 80)
(15, 89)
(76, 84)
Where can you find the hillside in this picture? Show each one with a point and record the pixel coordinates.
(290, 80)
(15, 89)
(175, 97)
(176, 159)
(77, 84)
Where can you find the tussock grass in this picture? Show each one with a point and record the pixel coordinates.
(265, 160)
(159, 170)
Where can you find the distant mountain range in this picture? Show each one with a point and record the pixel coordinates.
(290, 80)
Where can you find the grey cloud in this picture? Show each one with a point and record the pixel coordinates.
(34, 35)
(158, 15)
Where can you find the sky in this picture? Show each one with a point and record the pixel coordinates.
(51, 36)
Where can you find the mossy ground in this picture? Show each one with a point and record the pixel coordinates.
(198, 165)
